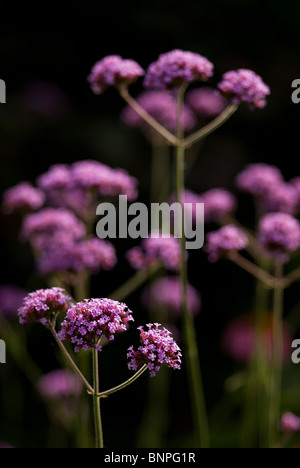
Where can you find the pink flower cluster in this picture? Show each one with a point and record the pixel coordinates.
(22, 197)
(87, 321)
(156, 249)
(113, 70)
(227, 239)
(44, 305)
(157, 348)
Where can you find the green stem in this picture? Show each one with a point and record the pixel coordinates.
(211, 127)
(124, 384)
(135, 282)
(96, 401)
(276, 372)
(192, 356)
(253, 269)
(168, 136)
(69, 359)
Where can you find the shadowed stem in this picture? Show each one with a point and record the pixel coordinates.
(277, 357)
(96, 401)
(210, 127)
(253, 269)
(124, 384)
(192, 356)
(169, 137)
(69, 359)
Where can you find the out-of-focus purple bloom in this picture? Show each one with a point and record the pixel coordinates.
(283, 198)
(177, 67)
(190, 200)
(157, 348)
(227, 239)
(55, 182)
(206, 102)
(289, 423)
(39, 227)
(114, 71)
(217, 203)
(22, 197)
(92, 254)
(45, 98)
(166, 292)
(153, 249)
(11, 298)
(238, 339)
(86, 322)
(259, 179)
(92, 175)
(59, 384)
(244, 86)
(162, 106)
(279, 234)
(44, 305)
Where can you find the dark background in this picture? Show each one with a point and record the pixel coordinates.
(59, 43)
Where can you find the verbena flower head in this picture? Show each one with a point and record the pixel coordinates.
(244, 86)
(258, 179)
(103, 180)
(44, 305)
(217, 203)
(59, 384)
(153, 249)
(157, 348)
(167, 293)
(206, 102)
(284, 198)
(114, 71)
(92, 254)
(177, 67)
(279, 235)
(289, 423)
(11, 298)
(162, 106)
(55, 181)
(227, 239)
(39, 227)
(22, 197)
(87, 321)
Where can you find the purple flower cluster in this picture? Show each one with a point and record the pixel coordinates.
(157, 348)
(114, 71)
(91, 254)
(289, 423)
(177, 67)
(161, 105)
(279, 234)
(86, 322)
(39, 228)
(75, 186)
(153, 249)
(166, 292)
(244, 86)
(267, 185)
(22, 197)
(206, 102)
(59, 384)
(259, 179)
(217, 203)
(44, 305)
(227, 239)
